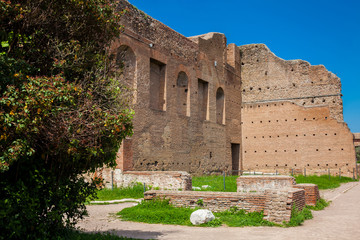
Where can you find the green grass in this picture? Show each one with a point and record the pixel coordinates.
(216, 183)
(298, 217)
(157, 211)
(76, 235)
(240, 218)
(320, 205)
(136, 191)
(323, 181)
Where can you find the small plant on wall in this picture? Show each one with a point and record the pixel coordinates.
(200, 202)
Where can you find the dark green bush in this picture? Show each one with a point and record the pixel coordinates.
(37, 204)
(62, 111)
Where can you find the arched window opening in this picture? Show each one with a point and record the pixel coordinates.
(124, 68)
(125, 65)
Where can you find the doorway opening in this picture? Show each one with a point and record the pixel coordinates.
(235, 158)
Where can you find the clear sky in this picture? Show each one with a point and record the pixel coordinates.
(319, 31)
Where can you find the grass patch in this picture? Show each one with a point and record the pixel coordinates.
(135, 191)
(320, 205)
(323, 181)
(157, 211)
(216, 183)
(76, 235)
(298, 217)
(160, 211)
(240, 218)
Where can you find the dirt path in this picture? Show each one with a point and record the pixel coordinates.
(340, 220)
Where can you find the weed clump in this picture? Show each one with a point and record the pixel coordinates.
(298, 217)
(320, 205)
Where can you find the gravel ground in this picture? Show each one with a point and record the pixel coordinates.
(338, 221)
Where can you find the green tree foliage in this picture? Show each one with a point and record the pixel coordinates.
(357, 149)
(63, 111)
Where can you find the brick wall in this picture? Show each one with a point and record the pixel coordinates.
(297, 197)
(311, 193)
(248, 183)
(158, 143)
(281, 136)
(170, 180)
(276, 204)
(250, 76)
(266, 77)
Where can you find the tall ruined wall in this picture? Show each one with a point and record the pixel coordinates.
(280, 136)
(266, 77)
(182, 97)
(202, 105)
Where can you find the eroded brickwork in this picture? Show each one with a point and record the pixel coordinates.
(312, 194)
(266, 77)
(258, 183)
(165, 180)
(185, 117)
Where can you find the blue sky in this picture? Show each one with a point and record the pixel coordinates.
(319, 31)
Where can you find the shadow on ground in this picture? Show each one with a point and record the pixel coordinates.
(131, 233)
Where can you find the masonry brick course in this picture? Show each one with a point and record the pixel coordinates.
(168, 180)
(248, 183)
(312, 194)
(282, 136)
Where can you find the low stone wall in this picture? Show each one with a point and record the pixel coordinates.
(249, 183)
(279, 203)
(214, 201)
(276, 204)
(164, 180)
(311, 193)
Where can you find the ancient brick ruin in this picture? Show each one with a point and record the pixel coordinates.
(274, 195)
(203, 105)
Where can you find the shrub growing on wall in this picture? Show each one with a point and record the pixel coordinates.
(62, 111)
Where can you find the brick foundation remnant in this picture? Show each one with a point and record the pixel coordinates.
(276, 204)
(165, 180)
(274, 195)
(248, 183)
(312, 194)
(251, 183)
